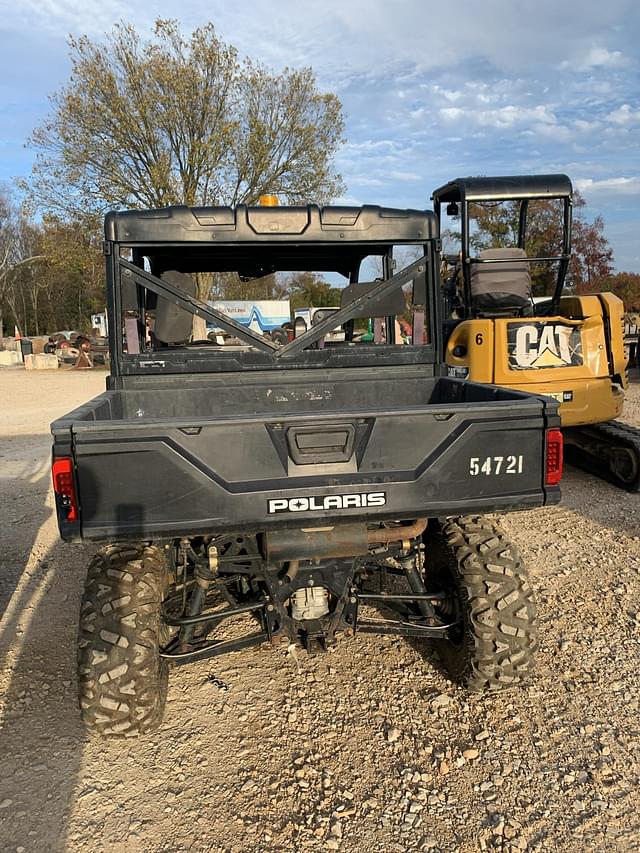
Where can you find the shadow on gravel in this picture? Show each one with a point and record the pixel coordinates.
(24, 482)
(41, 738)
(424, 648)
(600, 502)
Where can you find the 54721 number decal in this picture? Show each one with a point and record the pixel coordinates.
(494, 465)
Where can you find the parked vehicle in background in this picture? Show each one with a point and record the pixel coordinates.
(261, 315)
(60, 340)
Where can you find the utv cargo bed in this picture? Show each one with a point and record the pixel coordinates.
(261, 452)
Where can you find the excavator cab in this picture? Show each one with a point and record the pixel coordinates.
(556, 343)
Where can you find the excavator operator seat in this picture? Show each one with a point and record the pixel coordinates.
(501, 289)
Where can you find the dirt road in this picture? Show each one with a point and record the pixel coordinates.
(368, 748)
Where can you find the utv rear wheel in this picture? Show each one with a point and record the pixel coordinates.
(490, 600)
(122, 680)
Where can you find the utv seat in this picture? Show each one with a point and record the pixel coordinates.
(504, 288)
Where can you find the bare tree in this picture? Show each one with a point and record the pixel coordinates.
(15, 253)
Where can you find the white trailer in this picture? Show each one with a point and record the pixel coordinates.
(260, 316)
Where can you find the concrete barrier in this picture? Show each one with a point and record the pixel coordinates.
(9, 358)
(43, 361)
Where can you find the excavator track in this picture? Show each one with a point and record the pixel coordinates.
(609, 450)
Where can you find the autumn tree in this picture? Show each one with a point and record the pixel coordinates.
(592, 260)
(231, 286)
(150, 122)
(24, 279)
(626, 285)
(8, 253)
(175, 120)
(55, 277)
(72, 273)
(302, 289)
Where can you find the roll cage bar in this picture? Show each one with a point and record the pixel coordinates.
(522, 188)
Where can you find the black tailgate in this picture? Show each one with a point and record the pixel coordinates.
(205, 475)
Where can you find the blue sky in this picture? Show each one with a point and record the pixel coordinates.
(430, 90)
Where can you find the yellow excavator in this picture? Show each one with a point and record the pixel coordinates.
(566, 346)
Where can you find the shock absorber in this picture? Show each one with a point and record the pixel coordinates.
(203, 577)
(414, 578)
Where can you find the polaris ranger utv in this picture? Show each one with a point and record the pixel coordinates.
(329, 485)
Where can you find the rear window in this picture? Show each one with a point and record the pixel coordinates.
(278, 293)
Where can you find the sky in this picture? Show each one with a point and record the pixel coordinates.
(430, 91)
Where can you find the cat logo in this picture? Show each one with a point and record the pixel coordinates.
(533, 346)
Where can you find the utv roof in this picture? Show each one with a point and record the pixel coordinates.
(242, 224)
(504, 187)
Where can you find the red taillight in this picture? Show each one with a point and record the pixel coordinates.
(553, 465)
(64, 486)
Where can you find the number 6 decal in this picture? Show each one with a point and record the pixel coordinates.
(479, 338)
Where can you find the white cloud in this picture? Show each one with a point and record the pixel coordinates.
(370, 181)
(370, 145)
(398, 175)
(611, 186)
(451, 113)
(596, 57)
(624, 115)
(451, 95)
(582, 126)
(62, 17)
(363, 35)
(555, 132)
(502, 117)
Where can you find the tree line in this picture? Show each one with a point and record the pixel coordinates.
(52, 273)
(174, 119)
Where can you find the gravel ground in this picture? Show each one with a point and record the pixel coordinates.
(368, 748)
